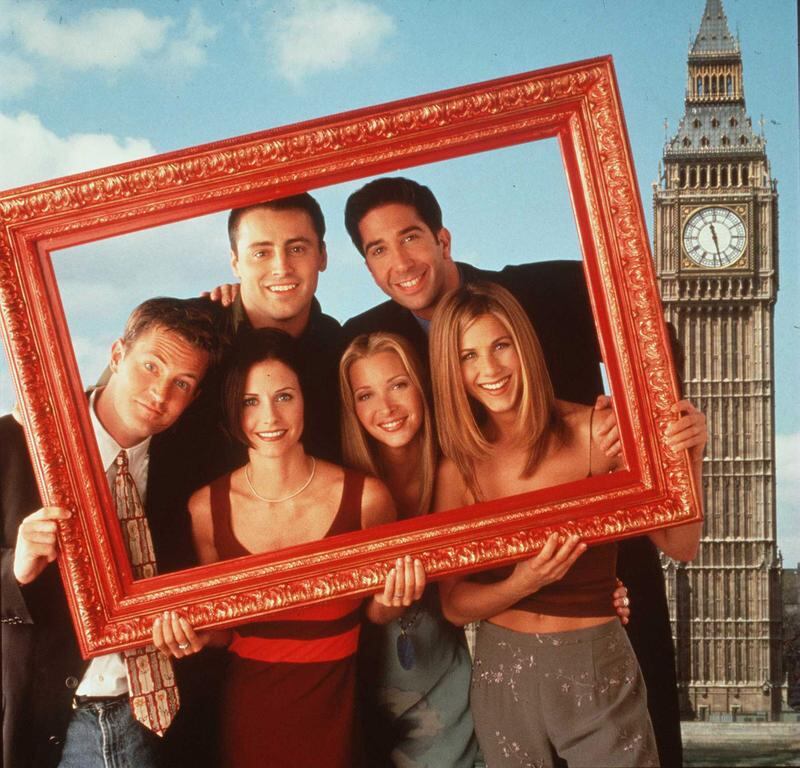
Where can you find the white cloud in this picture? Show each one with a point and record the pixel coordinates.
(787, 450)
(109, 39)
(105, 38)
(34, 153)
(189, 50)
(324, 35)
(18, 76)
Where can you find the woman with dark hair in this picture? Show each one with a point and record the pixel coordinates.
(554, 673)
(289, 694)
(415, 670)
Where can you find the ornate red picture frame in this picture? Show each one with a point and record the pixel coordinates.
(579, 105)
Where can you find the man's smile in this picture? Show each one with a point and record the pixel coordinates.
(282, 287)
(411, 283)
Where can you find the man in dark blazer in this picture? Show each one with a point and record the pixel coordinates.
(157, 367)
(396, 224)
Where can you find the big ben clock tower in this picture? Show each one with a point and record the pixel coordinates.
(716, 252)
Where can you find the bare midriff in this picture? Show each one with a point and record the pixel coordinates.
(542, 624)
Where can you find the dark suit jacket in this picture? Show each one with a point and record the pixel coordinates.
(554, 296)
(41, 663)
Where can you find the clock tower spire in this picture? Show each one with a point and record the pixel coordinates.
(715, 229)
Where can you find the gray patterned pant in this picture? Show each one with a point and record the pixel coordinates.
(579, 695)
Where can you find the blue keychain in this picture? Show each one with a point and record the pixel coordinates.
(405, 640)
(405, 650)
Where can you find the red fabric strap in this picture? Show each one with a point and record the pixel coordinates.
(331, 648)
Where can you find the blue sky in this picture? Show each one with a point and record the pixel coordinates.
(93, 83)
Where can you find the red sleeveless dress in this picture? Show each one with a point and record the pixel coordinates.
(289, 694)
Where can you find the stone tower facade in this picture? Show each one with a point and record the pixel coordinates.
(716, 252)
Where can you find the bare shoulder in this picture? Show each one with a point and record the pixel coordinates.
(575, 416)
(447, 471)
(450, 490)
(377, 505)
(203, 525)
(576, 419)
(581, 435)
(200, 502)
(330, 475)
(375, 490)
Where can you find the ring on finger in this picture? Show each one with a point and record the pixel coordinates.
(183, 646)
(625, 602)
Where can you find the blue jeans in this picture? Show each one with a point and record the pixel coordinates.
(106, 735)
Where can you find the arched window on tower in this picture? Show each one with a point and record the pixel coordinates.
(687, 142)
(743, 140)
(713, 180)
(714, 122)
(723, 176)
(696, 122)
(703, 176)
(745, 175)
(705, 84)
(725, 141)
(729, 85)
(699, 86)
(682, 177)
(733, 122)
(704, 142)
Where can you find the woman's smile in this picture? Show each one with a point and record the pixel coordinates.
(273, 407)
(490, 365)
(272, 435)
(496, 387)
(388, 404)
(393, 425)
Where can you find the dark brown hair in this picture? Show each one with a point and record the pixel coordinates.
(251, 348)
(302, 202)
(385, 191)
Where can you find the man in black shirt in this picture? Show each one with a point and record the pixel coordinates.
(277, 252)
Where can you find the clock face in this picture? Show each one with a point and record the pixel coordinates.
(714, 237)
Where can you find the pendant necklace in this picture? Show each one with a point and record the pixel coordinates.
(405, 640)
(285, 498)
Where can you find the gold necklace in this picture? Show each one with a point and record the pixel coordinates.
(285, 498)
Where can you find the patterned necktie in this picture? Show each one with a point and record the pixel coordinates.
(151, 679)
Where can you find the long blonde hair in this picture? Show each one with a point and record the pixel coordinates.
(460, 420)
(359, 448)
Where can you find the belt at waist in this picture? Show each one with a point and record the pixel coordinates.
(84, 701)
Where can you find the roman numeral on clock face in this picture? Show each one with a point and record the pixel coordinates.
(714, 237)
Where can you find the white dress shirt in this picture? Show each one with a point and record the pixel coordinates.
(107, 675)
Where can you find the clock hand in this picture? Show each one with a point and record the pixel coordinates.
(716, 242)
